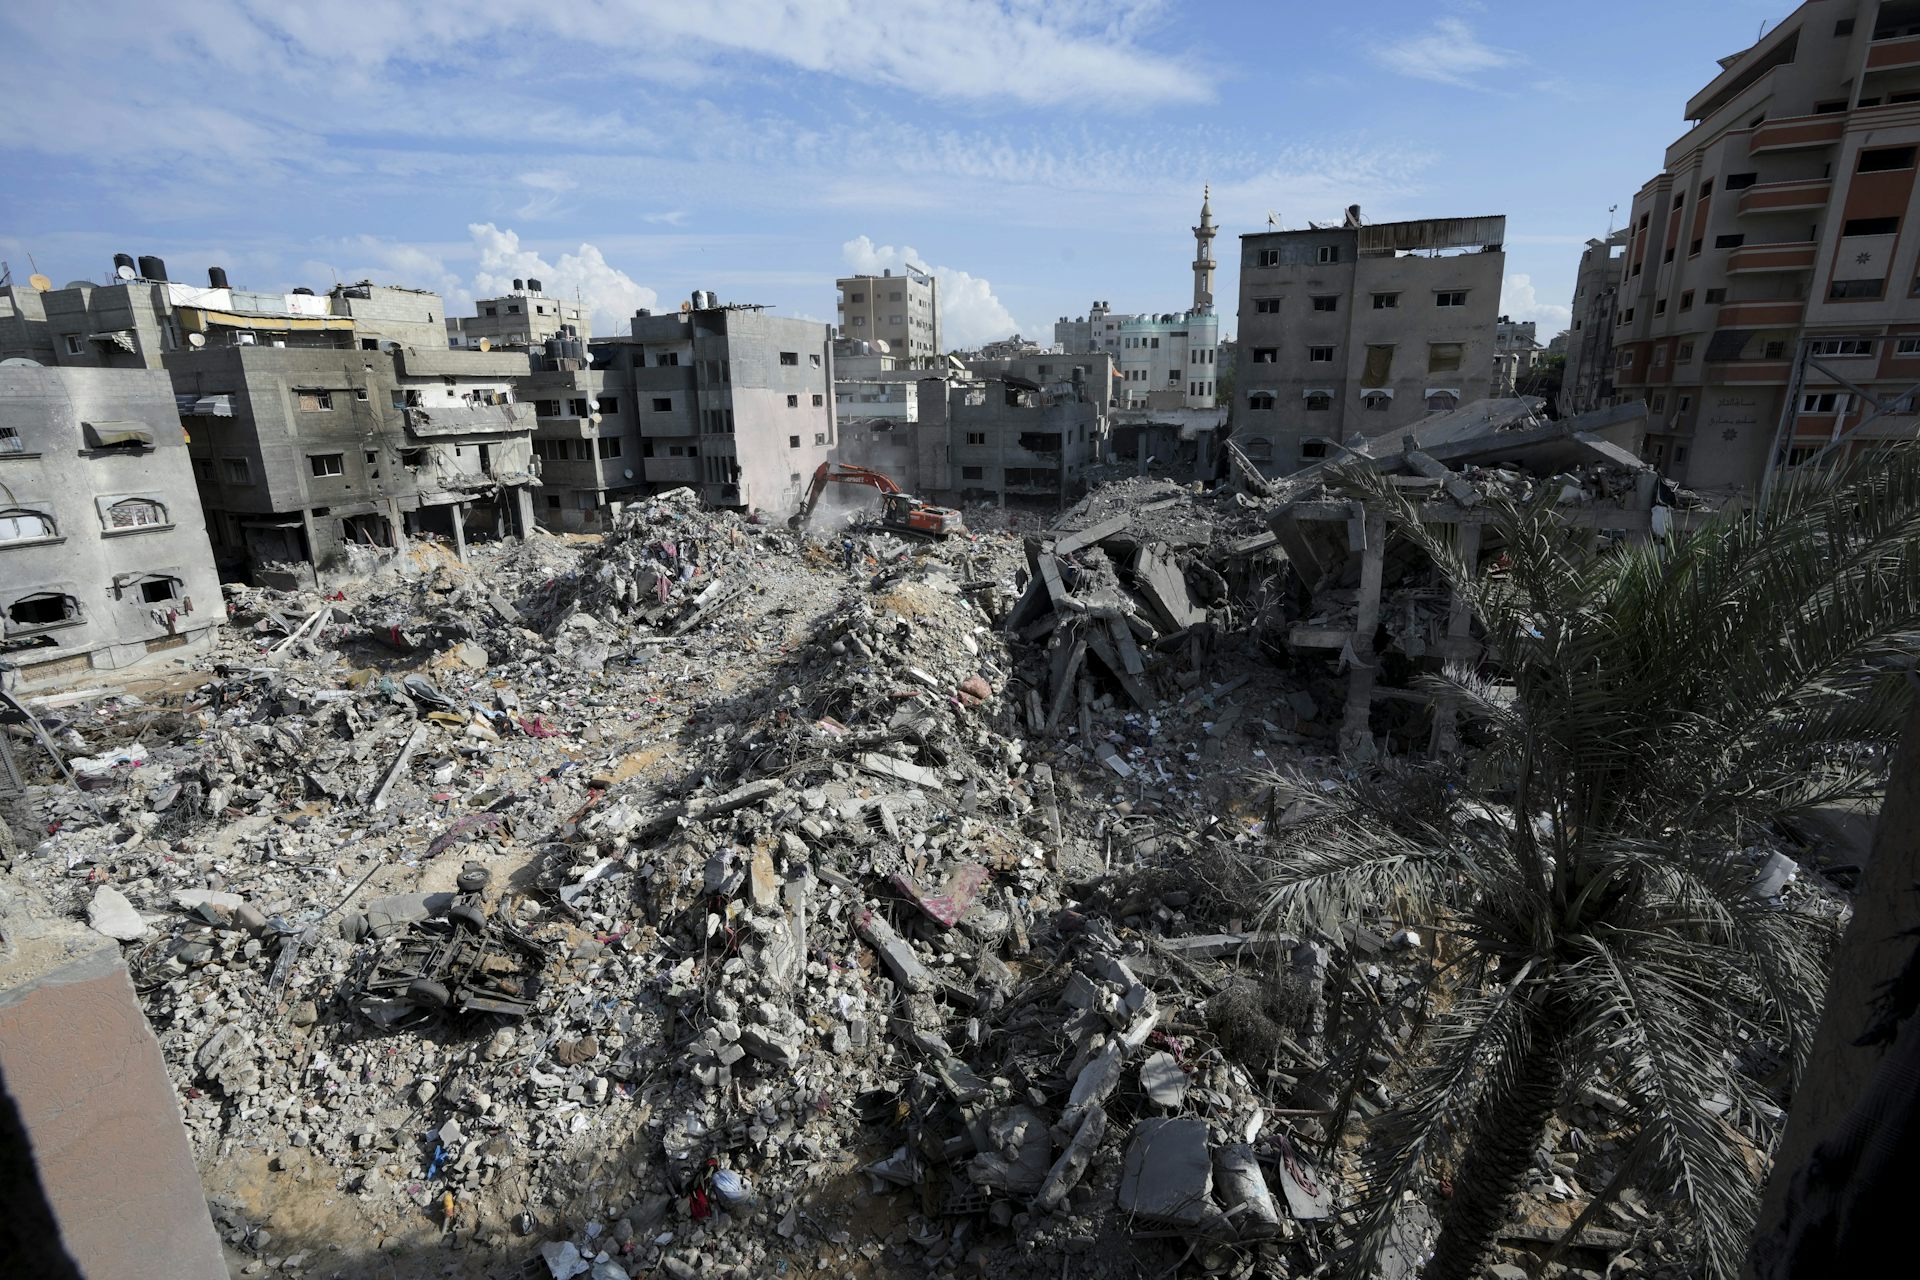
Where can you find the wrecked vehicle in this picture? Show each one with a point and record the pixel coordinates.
(464, 963)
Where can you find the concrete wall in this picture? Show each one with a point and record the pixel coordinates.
(909, 323)
(383, 314)
(518, 319)
(85, 1074)
(57, 472)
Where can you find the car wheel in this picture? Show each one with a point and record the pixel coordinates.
(428, 992)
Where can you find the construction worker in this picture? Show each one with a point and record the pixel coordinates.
(846, 553)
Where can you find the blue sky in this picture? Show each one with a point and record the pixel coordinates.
(1038, 153)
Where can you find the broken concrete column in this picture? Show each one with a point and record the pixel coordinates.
(84, 1073)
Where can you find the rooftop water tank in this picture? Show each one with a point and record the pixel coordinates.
(152, 268)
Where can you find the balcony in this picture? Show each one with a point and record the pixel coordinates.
(1775, 314)
(1894, 53)
(1752, 372)
(1794, 133)
(1754, 259)
(564, 428)
(1786, 197)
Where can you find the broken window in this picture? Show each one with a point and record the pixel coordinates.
(1825, 402)
(973, 473)
(1450, 298)
(1378, 370)
(43, 609)
(1376, 401)
(609, 446)
(1733, 241)
(1266, 355)
(1320, 355)
(314, 400)
(819, 400)
(1259, 448)
(1260, 401)
(10, 441)
(1327, 253)
(577, 408)
(1385, 301)
(1266, 306)
(790, 357)
(793, 402)
(814, 359)
(21, 525)
(608, 404)
(1686, 300)
(1326, 302)
(1442, 402)
(666, 359)
(1444, 357)
(135, 513)
(1319, 401)
(414, 457)
(1268, 258)
(159, 590)
(236, 471)
(327, 464)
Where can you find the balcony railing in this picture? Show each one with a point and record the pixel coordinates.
(1795, 132)
(1753, 259)
(1776, 314)
(1889, 54)
(1786, 197)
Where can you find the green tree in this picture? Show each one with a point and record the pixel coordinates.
(1642, 714)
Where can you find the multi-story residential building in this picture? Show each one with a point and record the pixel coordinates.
(728, 399)
(524, 317)
(103, 551)
(586, 439)
(1360, 329)
(1168, 360)
(901, 310)
(1768, 274)
(1587, 383)
(1516, 350)
(1016, 439)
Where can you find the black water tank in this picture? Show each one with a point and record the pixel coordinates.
(519, 285)
(304, 290)
(122, 260)
(151, 268)
(533, 286)
(217, 277)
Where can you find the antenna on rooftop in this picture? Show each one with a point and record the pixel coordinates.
(1611, 210)
(1273, 219)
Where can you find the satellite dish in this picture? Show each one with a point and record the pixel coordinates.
(196, 340)
(594, 418)
(881, 345)
(39, 282)
(14, 362)
(628, 475)
(486, 344)
(123, 271)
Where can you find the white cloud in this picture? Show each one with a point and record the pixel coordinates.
(611, 295)
(1450, 53)
(969, 312)
(1519, 300)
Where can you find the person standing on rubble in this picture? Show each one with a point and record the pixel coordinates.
(846, 553)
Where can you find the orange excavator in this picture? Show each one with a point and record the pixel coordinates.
(900, 512)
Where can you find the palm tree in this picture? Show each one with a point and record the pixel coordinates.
(1643, 713)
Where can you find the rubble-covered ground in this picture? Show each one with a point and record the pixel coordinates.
(868, 920)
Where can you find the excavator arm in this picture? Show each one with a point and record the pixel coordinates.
(845, 474)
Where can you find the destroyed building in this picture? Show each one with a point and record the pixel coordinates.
(728, 399)
(1587, 383)
(589, 448)
(103, 549)
(524, 317)
(1765, 305)
(1360, 329)
(900, 314)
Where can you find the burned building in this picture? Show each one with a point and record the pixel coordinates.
(1360, 329)
(1017, 439)
(103, 551)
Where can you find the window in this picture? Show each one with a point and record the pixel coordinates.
(1313, 448)
(577, 407)
(1716, 296)
(1266, 355)
(1327, 253)
(1269, 258)
(1378, 370)
(1319, 401)
(1450, 298)
(1907, 347)
(1442, 402)
(1774, 351)
(609, 404)
(790, 357)
(1668, 256)
(1729, 241)
(1869, 226)
(1693, 247)
(1841, 347)
(159, 590)
(819, 400)
(1659, 306)
(513, 308)
(10, 441)
(819, 437)
(609, 446)
(360, 394)
(1320, 355)
(666, 360)
(236, 471)
(73, 344)
(663, 404)
(793, 442)
(312, 400)
(1260, 401)
(1266, 306)
(1741, 181)
(976, 437)
(1376, 402)
(793, 402)
(46, 609)
(1686, 300)
(1385, 301)
(1660, 357)
(1626, 317)
(1658, 404)
(856, 297)
(973, 473)
(1706, 188)
(1326, 302)
(327, 464)
(814, 359)
(1825, 402)
(414, 457)
(21, 525)
(1684, 353)
(135, 513)
(1155, 343)
(1843, 27)
(1444, 357)
(1882, 159)
(1857, 288)
(203, 469)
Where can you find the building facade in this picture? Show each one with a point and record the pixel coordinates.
(1587, 383)
(727, 399)
(901, 310)
(1768, 265)
(103, 551)
(1516, 350)
(524, 317)
(1360, 329)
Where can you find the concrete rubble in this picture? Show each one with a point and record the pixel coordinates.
(847, 949)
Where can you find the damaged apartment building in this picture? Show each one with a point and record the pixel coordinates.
(727, 399)
(103, 552)
(1361, 329)
(316, 423)
(1766, 295)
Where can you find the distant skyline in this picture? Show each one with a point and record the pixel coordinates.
(1036, 154)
